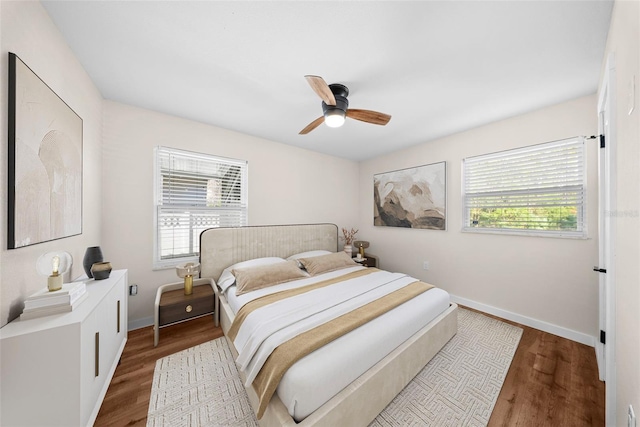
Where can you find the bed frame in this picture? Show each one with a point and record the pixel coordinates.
(360, 402)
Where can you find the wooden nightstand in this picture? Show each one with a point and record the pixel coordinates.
(369, 261)
(173, 306)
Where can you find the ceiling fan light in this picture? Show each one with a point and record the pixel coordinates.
(334, 118)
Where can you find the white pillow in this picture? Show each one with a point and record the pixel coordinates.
(308, 254)
(227, 279)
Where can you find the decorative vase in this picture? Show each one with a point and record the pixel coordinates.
(101, 270)
(349, 250)
(91, 256)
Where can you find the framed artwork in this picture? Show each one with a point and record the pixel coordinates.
(45, 161)
(411, 198)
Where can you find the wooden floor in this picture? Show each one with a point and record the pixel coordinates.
(551, 382)
(127, 400)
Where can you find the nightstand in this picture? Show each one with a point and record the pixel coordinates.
(368, 261)
(173, 306)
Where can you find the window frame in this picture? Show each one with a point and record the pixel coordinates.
(158, 198)
(582, 229)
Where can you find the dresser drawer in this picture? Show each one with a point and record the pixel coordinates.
(177, 307)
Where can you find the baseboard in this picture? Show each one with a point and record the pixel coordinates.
(528, 321)
(140, 323)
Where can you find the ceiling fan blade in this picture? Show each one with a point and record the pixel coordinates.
(311, 126)
(369, 116)
(321, 87)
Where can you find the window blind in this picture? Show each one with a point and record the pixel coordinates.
(194, 192)
(537, 190)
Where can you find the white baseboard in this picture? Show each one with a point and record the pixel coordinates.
(528, 321)
(140, 323)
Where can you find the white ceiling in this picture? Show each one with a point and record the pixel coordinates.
(438, 67)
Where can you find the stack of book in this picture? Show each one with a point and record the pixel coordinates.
(45, 303)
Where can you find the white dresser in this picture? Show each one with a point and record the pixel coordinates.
(55, 370)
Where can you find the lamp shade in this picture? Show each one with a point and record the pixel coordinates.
(361, 244)
(188, 269)
(48, 263)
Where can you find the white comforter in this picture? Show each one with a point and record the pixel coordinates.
(314, 379)
(266, 328)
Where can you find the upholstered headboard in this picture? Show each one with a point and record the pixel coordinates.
(222, 247)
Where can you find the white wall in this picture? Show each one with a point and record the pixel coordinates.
(27, 31)
(286, 185)
(546, 279)
(624, 43)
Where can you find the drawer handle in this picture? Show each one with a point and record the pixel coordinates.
(118, 315)
(189, 308)
(97, 361)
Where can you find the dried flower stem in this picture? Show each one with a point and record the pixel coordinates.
(348, 236)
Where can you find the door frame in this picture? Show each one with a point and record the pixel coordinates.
(605, 354)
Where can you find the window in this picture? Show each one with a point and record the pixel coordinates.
(194, 192)
(537, 190)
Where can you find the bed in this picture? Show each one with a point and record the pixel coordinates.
(341, 383)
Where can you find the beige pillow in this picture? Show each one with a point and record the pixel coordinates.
(326, 263)
(253, 278)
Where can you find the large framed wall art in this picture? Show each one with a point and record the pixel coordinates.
(45, 161)
(411, 198)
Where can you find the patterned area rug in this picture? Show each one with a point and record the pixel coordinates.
(200, 386)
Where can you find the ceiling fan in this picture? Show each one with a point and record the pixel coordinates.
(335, 106)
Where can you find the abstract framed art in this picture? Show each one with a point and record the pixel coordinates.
(45, 161)
(411, 198)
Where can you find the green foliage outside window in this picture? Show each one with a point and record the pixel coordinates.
(558, 218)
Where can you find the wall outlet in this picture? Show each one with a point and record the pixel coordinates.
(133, 290)
(425, 265)
(631, 418)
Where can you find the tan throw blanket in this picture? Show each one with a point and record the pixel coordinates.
(285, 355)
(255, 304)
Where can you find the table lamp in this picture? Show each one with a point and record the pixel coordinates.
(361, 245)
(187, 271)
(54, 265)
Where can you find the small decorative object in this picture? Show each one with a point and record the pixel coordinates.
(187, 271)
(91, 256)
(361, 245)
(101, 270)
(54, 265)
(54, 282)
(348, 237)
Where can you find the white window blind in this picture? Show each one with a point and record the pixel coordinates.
(194, 192)
(537, 190)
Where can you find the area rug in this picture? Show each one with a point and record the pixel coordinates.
(200, 386)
